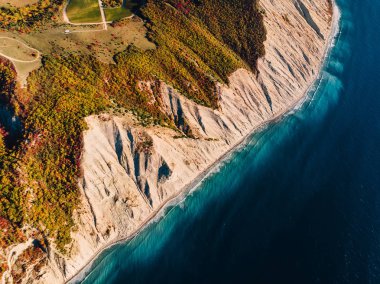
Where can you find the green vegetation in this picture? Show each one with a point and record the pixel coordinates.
(122, 10)
(7, 77)
(38, 177)
(2, 144)
(28, 17)
(237, 23)
(11, 191)
(60, 95)
(112, 3)
(115, 14)
(84, 11)
(53, 125)
(188, 57)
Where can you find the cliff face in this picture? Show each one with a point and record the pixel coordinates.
(129, 171)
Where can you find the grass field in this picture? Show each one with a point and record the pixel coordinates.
(17, 50)
(103, 45)
(84, 11)
(115, 14)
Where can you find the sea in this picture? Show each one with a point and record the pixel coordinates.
(299, 203)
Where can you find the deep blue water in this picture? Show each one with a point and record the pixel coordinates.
(299, 204)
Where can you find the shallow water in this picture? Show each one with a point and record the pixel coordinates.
(299, 204)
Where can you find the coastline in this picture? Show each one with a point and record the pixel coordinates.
(196, 182)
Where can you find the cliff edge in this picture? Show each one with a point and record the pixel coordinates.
(129, 172)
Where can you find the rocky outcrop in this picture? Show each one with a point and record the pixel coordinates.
(129, 172)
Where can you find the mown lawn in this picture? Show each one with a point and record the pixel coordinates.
(84, 11)
(114, 14)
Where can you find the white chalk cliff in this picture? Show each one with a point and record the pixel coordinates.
(130, 171)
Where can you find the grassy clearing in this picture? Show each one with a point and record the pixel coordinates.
(103, 45)
(125, 10)
(115, 14)
(20, 51)
(17, 50)
(84, 11)
(24, 69)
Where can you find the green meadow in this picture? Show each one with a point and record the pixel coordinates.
(115, 14)
(84, 11)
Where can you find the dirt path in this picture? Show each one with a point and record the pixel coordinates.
(102, 14)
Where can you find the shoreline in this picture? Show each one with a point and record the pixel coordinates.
(197, 181)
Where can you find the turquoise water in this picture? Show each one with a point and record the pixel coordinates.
(299, 204)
